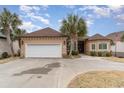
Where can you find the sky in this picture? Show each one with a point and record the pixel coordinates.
(102, 19)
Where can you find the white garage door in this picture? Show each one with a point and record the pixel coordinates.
(43, 50)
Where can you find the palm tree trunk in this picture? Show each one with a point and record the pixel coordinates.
(71, 47)
(19, 42)
(9, 41)
(76, 37)
(12, 50)
(76, 45)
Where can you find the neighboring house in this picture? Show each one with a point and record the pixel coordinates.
(118, 47)
(4, 47)
(46, 42)
(97, 43)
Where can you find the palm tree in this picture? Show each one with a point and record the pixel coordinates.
(73, 26)
(122, 38)
(16, 35)
(8, 23)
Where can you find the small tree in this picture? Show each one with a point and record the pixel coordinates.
(73, 26)
(8, 23)
(16, 35)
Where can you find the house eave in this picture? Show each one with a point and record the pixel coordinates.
(39, 36)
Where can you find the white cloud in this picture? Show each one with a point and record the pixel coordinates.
(60, 20)
(99, 11)
(89, 15)
(70, 6)
(29, 26)
(103, 11)
(47, 15)
(36, 8)
(33, 15)
(120, 24)
(113, 11)
(44, 7)
(25, 8)
(116, 8)
(40, 18)
(120, 17)
(89, 22)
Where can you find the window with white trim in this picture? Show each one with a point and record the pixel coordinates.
(93, 46)
(102, 46)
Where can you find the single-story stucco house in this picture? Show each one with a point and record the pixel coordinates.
(118, 47)
(4, 47)
(48, 42)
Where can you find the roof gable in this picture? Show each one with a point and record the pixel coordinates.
(97, 37)
(45, 32)
(115, 36)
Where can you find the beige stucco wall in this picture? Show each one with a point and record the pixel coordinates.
(97, 42)
(16, 46)
(4, 47)
(43, 40)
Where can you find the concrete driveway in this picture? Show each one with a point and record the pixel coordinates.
(50, 73)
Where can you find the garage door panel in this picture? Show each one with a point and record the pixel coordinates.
(43, 50)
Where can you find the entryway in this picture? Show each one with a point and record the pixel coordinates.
(81, 47)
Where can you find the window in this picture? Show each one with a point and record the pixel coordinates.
(93, 46)
(103, 46)
(100, 46)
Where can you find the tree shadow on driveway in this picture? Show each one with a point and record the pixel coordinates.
(40, 70)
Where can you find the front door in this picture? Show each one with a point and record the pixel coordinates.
(81, 46)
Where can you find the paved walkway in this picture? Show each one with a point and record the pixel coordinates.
(50, 73)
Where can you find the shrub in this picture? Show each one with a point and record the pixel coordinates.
(0, 57)
(66, 56)
(68, 52)
(15, 55)
(108, 54)
(4, 55)
(93, 53)
(99, 53)
(104, 53)
(75, 52)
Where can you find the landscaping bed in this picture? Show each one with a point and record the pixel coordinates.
(98, 79)
(71, 57)
(115, 59)
(6, 60)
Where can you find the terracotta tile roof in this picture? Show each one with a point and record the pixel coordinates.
(98, 37)
(83, 38)
(116, 36)
(44, 32)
